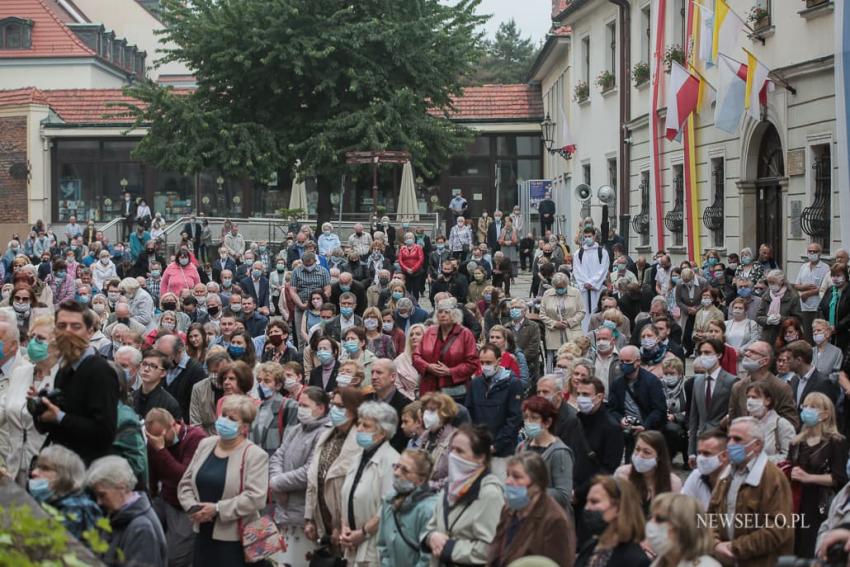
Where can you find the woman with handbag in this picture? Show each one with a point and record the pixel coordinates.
(225, 487)
(818, 456)
(368, 479)
(406, 511)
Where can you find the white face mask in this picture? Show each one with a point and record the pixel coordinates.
(430, 419)
(304, 414)
(707, 465)
(755, 407)
(585, 404)
(658, 536)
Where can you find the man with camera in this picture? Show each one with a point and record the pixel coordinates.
(81, 412)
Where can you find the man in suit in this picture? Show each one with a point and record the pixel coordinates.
(128, 212)
(225, 262)
(711, 393)
(346, 319)
(807, 379)
(194, 228)
(384, 376)
(758, 358)
(688, 298)
(527, 336)
(257, 286)
(347, 284)
(184, 373)
(296, 251)
(569, 429)
(636, 399)
(493, 232)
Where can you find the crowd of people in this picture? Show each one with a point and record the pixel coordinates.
(385, 398)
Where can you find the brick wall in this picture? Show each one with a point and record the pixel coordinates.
(13, 149)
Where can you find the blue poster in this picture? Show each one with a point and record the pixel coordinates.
(537, 189)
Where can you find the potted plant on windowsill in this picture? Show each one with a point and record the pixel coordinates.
(673, 53)
(758, 18)
(581, 91)
(640, 73)
(605, 80)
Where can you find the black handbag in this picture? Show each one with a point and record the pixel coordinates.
(325, 557)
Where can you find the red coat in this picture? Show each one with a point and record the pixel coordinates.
(509, 361)
(411, 258)
(729, 360)
(461, 357)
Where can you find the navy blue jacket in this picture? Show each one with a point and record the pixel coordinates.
(497, 405)
(649, 395)
(261, 299)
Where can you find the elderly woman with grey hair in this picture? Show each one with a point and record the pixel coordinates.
(57, 480)
(779, 302)
(367, 482)
(562, 312)
(749, 268)
(136, 536)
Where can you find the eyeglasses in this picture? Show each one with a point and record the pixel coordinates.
(151, 366)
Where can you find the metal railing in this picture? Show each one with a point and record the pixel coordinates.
(275, 231)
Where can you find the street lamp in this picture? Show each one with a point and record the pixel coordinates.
(220, 182)
(548, 128)
(123, 183)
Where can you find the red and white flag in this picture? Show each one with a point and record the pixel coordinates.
(568, 143)
(682, 99)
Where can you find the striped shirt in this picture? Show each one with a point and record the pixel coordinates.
(306, 281)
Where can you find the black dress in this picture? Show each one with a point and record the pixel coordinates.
(209, 551)
(827, 457)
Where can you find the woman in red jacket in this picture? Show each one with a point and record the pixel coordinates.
(411, 259)
(729, 359)
(447, 355)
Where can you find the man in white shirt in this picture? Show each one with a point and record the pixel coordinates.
(809, 279)
(360, 240)
(590, 269)
(711, 459)
(662, 275)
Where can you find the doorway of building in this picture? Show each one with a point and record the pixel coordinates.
(770, 223)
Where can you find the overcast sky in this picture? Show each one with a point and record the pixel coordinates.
(532, 16)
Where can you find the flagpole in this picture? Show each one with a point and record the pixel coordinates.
(700, 75)
(779, 80)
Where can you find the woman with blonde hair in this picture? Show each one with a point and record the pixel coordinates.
(438, 413)
(562, 312)
(614, 520)
(741, 331)
(408, 377)
(614, 320)
(24, 440)
(818, 455)
(395, 291)
(674, 534)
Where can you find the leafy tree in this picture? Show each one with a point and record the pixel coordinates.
(507, 58)
(283, 80)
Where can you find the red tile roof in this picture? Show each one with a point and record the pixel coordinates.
(28, 95)
(498, 102)
(50, 36)
(89, 106)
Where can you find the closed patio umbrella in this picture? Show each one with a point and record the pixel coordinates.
(298, 199)
(408, 208)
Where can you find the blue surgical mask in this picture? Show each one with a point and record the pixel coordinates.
(37, 350)
(608, 324)
(226, 428)
(627, 367)
(344, 287)
(346, 311)
(516, 313)
(39, 489)
(338, 416)
(256, 273)
(810, 417)
(325, 356)
(351, 346)
(532, 430)
(516, 497)
(397, 295)
(560, 290)
(737, 452)
(365, 439)
(745, 292)
(265, 392)
(236, 351)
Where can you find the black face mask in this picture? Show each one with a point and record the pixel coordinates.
(124, 321)
(169, 306)
(594, 521)
(448, 275)
(213, 310)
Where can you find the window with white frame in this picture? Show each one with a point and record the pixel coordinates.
(611, 48)
(645, 35)
(585, 59)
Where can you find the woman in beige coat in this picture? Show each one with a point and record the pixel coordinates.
(562, 312)
(226, 482)
(335, 453)
(368, 481)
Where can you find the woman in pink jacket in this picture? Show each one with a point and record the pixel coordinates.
(179, 275)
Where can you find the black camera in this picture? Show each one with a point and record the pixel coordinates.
(835, 557)
(36, 405)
